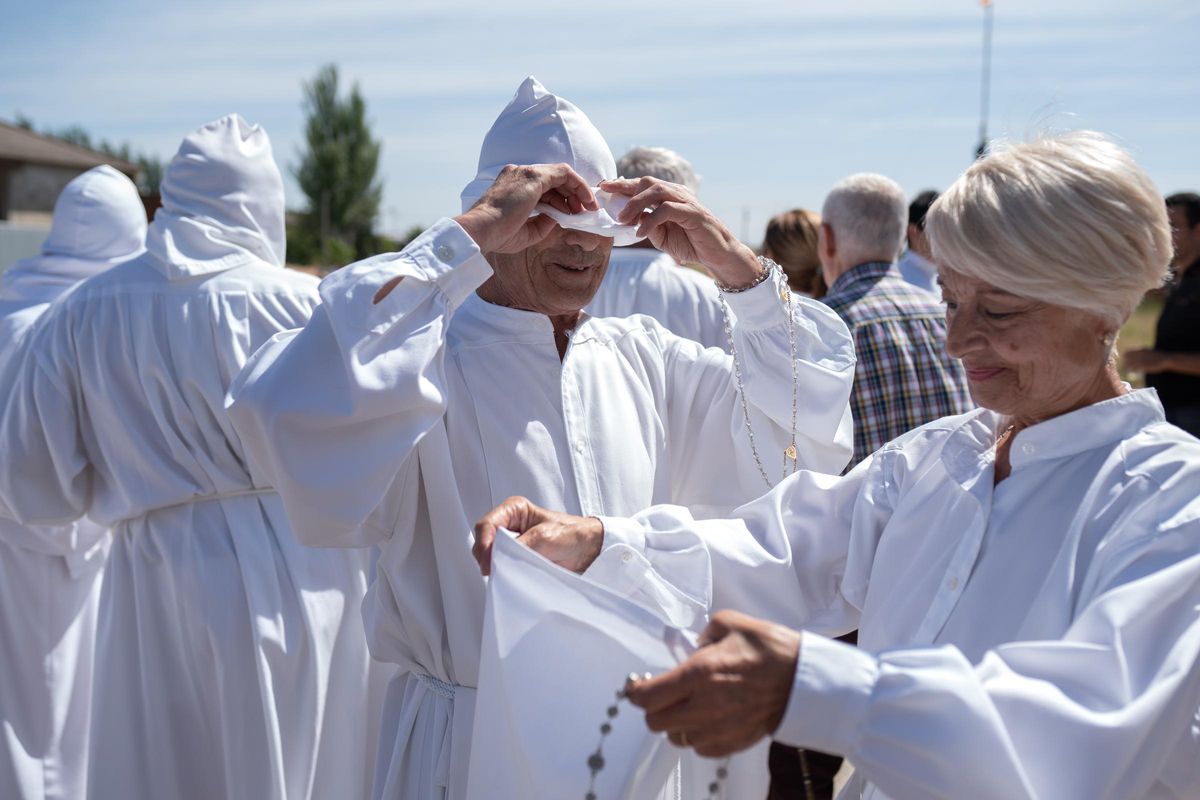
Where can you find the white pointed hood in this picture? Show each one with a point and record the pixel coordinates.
(99, 221)
(537, 127)
(222, 202)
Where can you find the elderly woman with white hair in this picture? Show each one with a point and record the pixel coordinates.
(1025, 577)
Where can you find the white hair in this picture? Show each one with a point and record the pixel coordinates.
(658, 162)
(1070, 219)
(869, 216)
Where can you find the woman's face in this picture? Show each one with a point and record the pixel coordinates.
(1025, 359)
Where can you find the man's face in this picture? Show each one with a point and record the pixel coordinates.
(558, 275)
(1185, 238)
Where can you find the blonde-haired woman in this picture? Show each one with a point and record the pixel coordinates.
(1025, 577)
(791, 242)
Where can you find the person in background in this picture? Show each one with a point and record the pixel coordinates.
(791, 242)
(916, 263)
(50, 576)
(230, 659)
(641, 279)
(904, 377)
(1172, 366)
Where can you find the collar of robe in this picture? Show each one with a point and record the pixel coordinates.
(222, 203)
(479, 320)
(1091, 427)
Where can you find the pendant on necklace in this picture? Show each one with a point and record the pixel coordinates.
(790, 452)
(784, 294)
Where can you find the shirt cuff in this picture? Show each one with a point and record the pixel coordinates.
(758, 307)
(444, 255)
(830, 692)
(623, 531)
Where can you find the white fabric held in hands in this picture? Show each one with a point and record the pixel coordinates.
(538, 127)
(556, 642)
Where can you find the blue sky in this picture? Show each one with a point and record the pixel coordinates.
(772, 101)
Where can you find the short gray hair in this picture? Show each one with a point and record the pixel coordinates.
(869, 216)
(658, 162)
(1071, 220)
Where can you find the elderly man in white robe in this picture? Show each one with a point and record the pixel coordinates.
(50, 576)
(435, 382)
(1025, 577)
(641, 279)
(230, 661)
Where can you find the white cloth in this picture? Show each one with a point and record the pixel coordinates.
(229, 661)
(537, 127)
(401, 423)
(1037, 638)
(642, 280)
(50, 576)
(919, 271)
(523, 746)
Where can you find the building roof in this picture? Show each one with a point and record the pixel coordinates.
(19, 144)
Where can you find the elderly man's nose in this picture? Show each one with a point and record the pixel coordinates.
(583, 240)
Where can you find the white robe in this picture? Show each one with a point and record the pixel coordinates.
(642, 280)
(400, 423)
(50, 576)
(230, 660)
(1039, 638)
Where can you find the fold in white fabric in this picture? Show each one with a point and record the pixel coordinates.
(537, 127)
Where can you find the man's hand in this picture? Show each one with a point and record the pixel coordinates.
(1147, 361)
(730, 693)
(569, 541)
(670, 217)
(500, 221)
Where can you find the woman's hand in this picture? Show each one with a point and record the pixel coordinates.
(569, 541)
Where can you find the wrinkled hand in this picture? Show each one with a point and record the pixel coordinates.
(674, 221)
(569, 541)
(1147, 361)
(730, 693)
(499, 222)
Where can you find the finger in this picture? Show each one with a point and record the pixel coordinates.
(485, 536)
(646, 199)
(569, 183)
(663, 691)
(556, 199)
(720, 626)
(678, 213)
(692, 712)
(626, 187)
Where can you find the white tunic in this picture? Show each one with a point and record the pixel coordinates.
(642, 280)
(50, 576)
(1035, 639)
(401, 423)
(230, 660)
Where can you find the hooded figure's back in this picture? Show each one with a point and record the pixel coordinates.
(225, 640)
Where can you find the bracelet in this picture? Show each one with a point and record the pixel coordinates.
(768, 266)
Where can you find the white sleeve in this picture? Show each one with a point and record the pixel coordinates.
(1095, 714)
(45, 474)
(332, 413)
(799, 555)
(712, 466)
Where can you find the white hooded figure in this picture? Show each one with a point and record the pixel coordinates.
(398, 423)
(230, 660)
(50, 576)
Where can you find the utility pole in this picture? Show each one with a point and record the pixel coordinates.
(985, 86)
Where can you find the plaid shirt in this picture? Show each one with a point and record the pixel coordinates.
(904, 377)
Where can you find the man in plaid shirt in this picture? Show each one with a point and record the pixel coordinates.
(904, 377)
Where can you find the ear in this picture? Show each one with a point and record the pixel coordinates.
(827, 241)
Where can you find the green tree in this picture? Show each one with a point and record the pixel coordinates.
(337, 171)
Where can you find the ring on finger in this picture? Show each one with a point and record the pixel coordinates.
(683, 739)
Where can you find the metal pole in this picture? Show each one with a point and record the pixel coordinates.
(985, 87)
